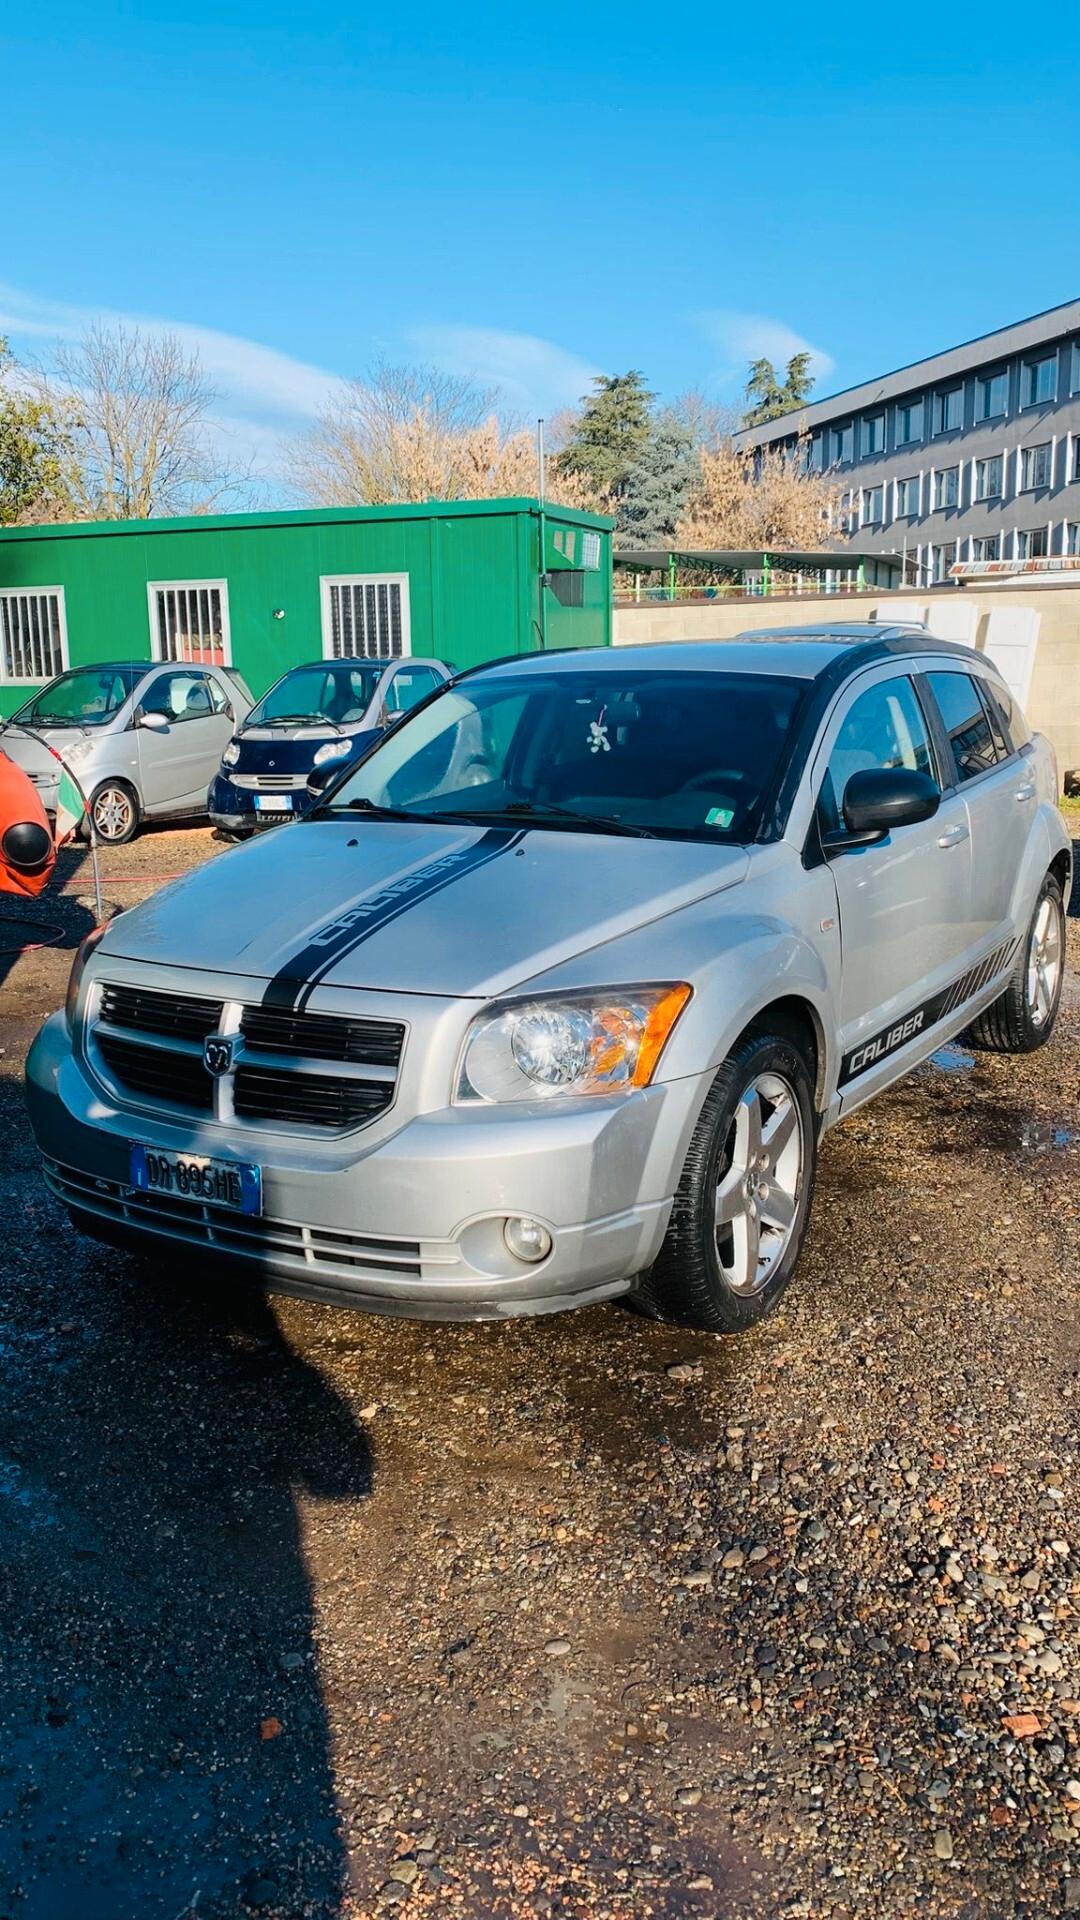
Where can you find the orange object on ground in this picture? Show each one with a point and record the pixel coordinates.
(27, 853)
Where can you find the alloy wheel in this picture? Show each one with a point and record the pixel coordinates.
(1044, 961)
(758, 1192)
(113, 813)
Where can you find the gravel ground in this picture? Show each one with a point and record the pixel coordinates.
(314, 1614)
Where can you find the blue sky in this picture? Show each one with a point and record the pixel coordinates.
(531, 195)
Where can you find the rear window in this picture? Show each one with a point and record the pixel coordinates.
(967, 723)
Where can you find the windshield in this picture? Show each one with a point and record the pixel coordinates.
(677, 754)
(87, 697)
(341, 694)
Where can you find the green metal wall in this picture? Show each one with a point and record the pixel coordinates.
(474, 580)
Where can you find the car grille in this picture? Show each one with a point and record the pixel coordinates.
(270, 782)
(313, 1072)
(307, 1251)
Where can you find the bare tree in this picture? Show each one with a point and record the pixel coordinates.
(139, 408)
(748, 501)
(708, 423)
(415, 433)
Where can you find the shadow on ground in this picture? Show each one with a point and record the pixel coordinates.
(165, 1750)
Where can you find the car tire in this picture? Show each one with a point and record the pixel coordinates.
(1022, 1018)
(750, 1166)
(114, 808)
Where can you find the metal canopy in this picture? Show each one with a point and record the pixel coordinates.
(723, 560)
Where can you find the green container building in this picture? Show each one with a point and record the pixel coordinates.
(466, 581)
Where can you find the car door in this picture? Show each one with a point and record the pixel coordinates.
(173, 760)
(903, 901)
(999, 789)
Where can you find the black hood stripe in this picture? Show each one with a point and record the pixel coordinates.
(295, 982)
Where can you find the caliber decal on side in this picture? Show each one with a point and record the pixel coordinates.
(920, 1019)
(294, 983)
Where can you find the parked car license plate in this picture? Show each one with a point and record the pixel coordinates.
(273, 802)
(195, 1176)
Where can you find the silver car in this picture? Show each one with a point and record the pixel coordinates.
(143, 742)
(553, 996)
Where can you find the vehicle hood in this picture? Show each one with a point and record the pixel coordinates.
(424, 908)
(291, 749)
(31, 754)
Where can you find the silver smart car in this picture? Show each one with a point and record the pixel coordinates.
(143, 741)
(554, 995)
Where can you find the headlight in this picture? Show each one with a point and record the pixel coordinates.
(231, 754)
(333, 750)
(78, 969)
(602, 1043)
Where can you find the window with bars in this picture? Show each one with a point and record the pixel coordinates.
(33, 634)
(365, 616)
(189, 620)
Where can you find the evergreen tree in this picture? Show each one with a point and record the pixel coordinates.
(659, 485)
(612, 429)
(769, 400)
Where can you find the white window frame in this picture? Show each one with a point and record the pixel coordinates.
(36, 593)
(1037, 360)
(154, 587)
(329, 580)
(983, 460)
(1026, 453)
(946, 506)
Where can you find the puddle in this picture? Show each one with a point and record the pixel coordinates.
(1043, 1136)
(953, 1059)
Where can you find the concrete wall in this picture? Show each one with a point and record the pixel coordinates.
(1053, 705)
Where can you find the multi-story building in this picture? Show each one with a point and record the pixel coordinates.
(971, 455)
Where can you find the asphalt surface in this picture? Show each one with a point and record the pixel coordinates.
(306, 1614)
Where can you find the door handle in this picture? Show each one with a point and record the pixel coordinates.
(1025, 792)
(952, 836)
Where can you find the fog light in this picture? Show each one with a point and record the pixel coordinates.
(527, 1239)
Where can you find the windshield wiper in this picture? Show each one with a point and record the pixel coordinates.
(298, 720)
(603, 822)
(369, 806)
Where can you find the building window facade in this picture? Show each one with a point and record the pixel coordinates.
(1038, 381)
(1072, 537)
(1035, 467)
(991, 395)
(907, 497)
(189, 620)
(909, 422)
(365, 615)
(1032, 543)
(844, 443)
(946, 488)
(873, 506)
(941, 559)
(988, 474)
(949, 410)
(986, 546)
(873, 434)
(33, 635)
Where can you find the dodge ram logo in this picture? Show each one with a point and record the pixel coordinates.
(219, 1053)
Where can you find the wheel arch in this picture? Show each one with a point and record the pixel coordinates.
(797, 1017)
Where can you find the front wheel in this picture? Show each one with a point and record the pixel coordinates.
(114, 809)
(740, 1214)
(1022, 1018)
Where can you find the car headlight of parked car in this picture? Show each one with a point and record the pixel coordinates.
(78, 968)
(333, 750)
(592, 1043)
(231, 754)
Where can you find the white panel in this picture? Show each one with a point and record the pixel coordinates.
(1012, 639)
(954, 619)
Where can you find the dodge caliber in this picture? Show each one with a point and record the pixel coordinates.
(553, 996)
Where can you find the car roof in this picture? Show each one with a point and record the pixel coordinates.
(348, 661)
(798, 653)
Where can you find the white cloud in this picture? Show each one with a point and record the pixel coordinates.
(739, 338)
(532, 376)
(262, 393)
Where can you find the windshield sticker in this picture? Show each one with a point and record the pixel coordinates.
(719, 816)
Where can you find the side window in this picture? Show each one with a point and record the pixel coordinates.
(408, 687)
(1017, 731)
(219, 698)
(179, 696)
(967, 723)
(885, 727)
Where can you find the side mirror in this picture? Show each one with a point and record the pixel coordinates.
(880, 799)
(156, 722)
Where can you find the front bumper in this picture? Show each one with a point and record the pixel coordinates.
(410, 1223)
(234, 809)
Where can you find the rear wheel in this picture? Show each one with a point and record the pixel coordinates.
(114, 809)
(740, 1214)
(1022, 1018)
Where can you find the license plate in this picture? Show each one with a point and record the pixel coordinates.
(195, 1176)
(273, 803)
